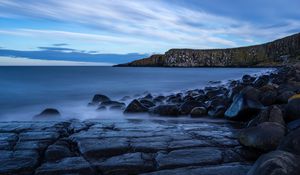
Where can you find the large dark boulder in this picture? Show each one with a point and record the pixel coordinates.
(165, 110)
(276, 163)
(269, 114)
(48, 113)
(99, 98)
(292, 109)
(245, 104)
(266, 136)
(147, 103)
(291, 142)
(198, 112)
(135, 107)
(187, 106)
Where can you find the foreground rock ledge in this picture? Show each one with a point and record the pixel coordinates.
(123, 146)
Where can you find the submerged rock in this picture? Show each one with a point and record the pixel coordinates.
(276, 163)
(135, 107)
(48, 113)
(266, 136)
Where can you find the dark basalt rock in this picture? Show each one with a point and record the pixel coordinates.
(292, 109)
(291, 142)
(135, 107)
(48, 113)
(217, 111)
(165, 110)
(198, 112)
(245, 105)
(276, 163)
(147, 103)
(99, 98)
(266, 136)
(187, 106)
(284, 96)
(270, 114)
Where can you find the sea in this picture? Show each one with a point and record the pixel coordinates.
(26, 90)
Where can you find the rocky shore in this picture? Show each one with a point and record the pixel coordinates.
(249, 126)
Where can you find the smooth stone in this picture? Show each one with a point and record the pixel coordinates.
(276, 163)
(265, 136)
(99, 98)
(292, 109)
(48, 113)
(198, 112)
(135, 107)
(291, 142)
(189, 157)
(187, 106)
(245, 104)
(70, 165)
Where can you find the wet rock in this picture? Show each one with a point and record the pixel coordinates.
(131, 163)
(276, 162)
(293, 125)
(70, 165)
(147, 103)
(48, 113)
(99, 98)
(223, 169)
(261, 81)
(174, 99)
(292, 111)
(268, 98)
(165, 110)
(197, 156)
(245, 105)
(270, 114)
(159, 99)
(291, 142)
(187, 107)
(214, 92)
(148, 96)
(247, 79)
(58, 151)
(284, 97)
(217, 111)
(198, 112)
(135, 107)
(266, 136)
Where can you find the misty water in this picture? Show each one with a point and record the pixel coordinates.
(26, 91)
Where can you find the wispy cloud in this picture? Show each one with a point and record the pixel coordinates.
(161, 23)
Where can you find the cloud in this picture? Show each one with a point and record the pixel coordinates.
(146, 22)
(61, 49)
(60, 44)
(18, 61)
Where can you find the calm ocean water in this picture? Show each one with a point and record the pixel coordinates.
(25, 91)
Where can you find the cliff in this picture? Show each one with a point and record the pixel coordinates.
(273, 53)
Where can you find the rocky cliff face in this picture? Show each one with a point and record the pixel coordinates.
(273, 53)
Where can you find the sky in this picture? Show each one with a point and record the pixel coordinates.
(142, 26)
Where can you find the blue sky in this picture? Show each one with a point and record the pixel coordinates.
(143, 26)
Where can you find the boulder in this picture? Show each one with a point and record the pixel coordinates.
(276, 163)
(269, 114)
(135, 107)
(292, 109)
(245, 104)
(99, 98)
(165, 110)
(284, 96)
(198, 112)
(261, 81)
(248, 79)
(268, 97)
(48, 113)
(291, 142)
(147, 103)
(217, 111)
(187, 106)
(266, 136)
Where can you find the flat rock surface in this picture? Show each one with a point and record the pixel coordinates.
(122, 146)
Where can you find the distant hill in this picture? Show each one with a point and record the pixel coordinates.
(72, 56)
(273, 53)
